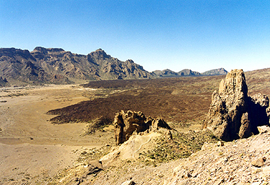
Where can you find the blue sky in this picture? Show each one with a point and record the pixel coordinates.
(175, 34)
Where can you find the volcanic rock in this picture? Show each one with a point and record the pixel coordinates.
(258, 162)
(55, 65)
(232, 113)
(127, 123)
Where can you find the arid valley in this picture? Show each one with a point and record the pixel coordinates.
(134, 92)
(32, 147)
(38, 147)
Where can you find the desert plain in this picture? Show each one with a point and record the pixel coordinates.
(36, 146)
(31, 147)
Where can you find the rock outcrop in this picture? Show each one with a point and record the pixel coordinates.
(3, 82)
(245, 161)
(232, 113)
(127, 123)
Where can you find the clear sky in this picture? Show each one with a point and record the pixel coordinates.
(175, 34)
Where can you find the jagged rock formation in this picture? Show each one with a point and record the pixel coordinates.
(232, 113)
(127, 123)
(55, 65)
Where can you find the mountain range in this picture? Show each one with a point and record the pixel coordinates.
(57, 66)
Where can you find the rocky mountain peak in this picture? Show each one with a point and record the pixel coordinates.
(188, 72)
(42, 64)
(219, 71)
(41, 50)
(46, 50)
(129, 61)
(13, 52)
(100, 54)
(55, 49)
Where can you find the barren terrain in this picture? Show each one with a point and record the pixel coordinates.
(34, 149)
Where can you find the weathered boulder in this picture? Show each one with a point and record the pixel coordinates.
(259, 110)
(232, 113)
(258, 162)
(126, 124)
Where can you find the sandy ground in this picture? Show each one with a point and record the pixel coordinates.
(31, 148)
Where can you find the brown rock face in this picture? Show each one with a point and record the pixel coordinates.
(55, 65)
(232, 113)
(127, 123)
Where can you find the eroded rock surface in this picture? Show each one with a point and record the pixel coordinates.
(232, 113)
(243, 161)
(127, 123)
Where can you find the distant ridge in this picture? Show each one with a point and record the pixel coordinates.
(188, 72)
(57, 66)
(219, 71)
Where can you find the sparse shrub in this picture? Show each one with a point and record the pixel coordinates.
(181, 146)
(213, 136)
(98, 124)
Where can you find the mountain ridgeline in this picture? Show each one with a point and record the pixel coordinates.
(188, 72)
(57, 66)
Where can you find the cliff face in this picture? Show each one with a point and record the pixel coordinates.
(55, 65)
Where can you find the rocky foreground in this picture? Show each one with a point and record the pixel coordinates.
(153, 156)
(243, 161)
(232, 115)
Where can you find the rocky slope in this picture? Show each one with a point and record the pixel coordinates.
(242, 161)
(20, 67)
(55, 65)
